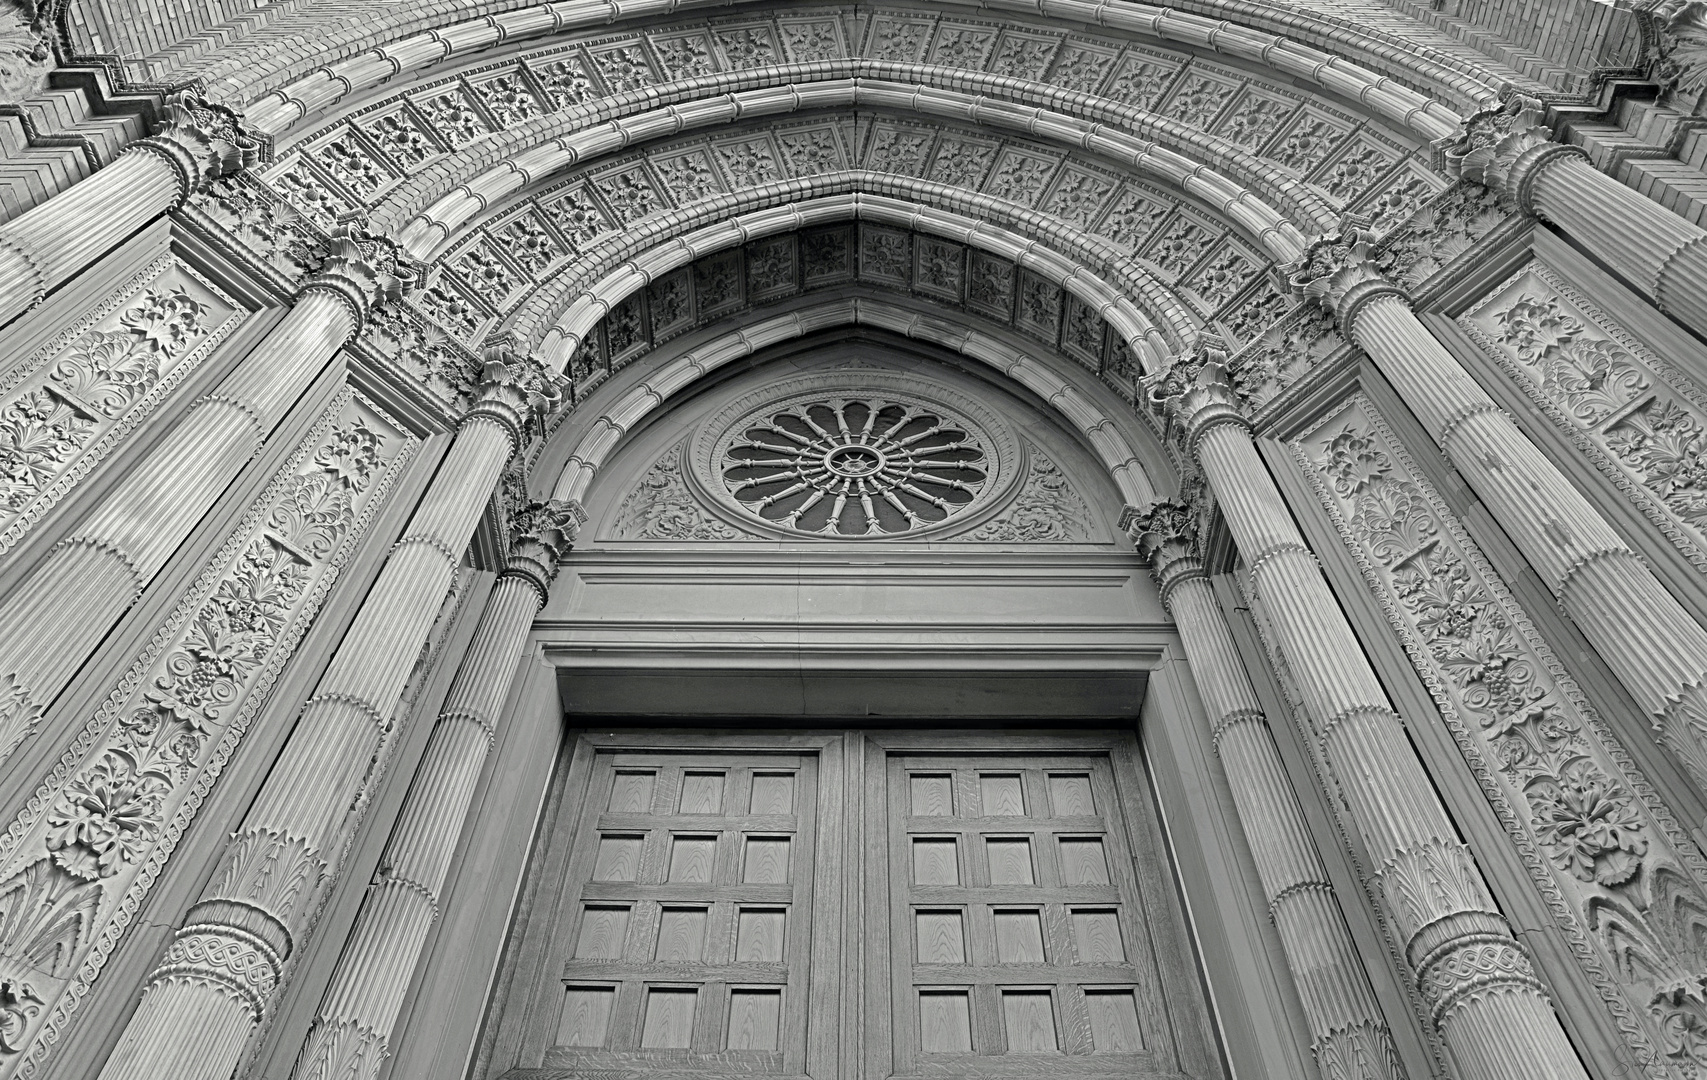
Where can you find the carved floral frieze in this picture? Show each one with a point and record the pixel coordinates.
(1619, 875)
(1641, 421)
(64, 407)
(78, 860)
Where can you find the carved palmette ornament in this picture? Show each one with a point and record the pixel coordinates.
(78, 860)
(1619, 875)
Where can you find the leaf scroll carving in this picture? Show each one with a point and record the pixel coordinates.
(1620, 876)
(1642, 423)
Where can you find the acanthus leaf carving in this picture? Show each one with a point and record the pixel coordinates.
(203, 140)
(1503, 147)
(1046, 511)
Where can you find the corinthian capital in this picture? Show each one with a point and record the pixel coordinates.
(1503, 148)
(1680, 51)
(541, 534)
(1194, 391)
(515, 391)
(202, 140)
(1165, 534)
(364, 271)
(1339, 272)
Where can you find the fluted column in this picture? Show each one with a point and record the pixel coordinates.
(1477, 982)
(351, 1031)
(1510, 151)
(222, 968)
(39, 250)
(47, 630)
(1348, 1034)
(1653, 646)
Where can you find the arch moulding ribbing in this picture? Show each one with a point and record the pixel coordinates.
(655, 391)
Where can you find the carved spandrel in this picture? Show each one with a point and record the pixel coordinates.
(77, 862)
(1617, 872)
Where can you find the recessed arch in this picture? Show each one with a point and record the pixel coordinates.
(618, 413)
(1400, 79)
(558, 318)
(1269, 203)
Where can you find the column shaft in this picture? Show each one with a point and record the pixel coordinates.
(1348, 1033)
(1649, 246)
(44, 247)
(48, 630)
(1469, 968)
(350, 1032)
(263, 891)
(1653, 646)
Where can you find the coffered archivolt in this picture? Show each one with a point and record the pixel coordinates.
(621, 411)
(282, 73)
(558, 316)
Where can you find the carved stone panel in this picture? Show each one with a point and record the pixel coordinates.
(77, 861)
(1640, 420)
(66, 405)
(1620, 876)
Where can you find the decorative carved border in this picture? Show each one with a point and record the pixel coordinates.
(143, 408)
(1512, 819)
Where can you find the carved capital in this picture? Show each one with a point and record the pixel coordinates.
(1679, 36)
(1503, 148)
(1195, 391)
(364, 271)
(202, 140)
(517, 393)
(1165, 534)
(541, 534)
(1340, 273)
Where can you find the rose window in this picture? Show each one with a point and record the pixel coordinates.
(854, 466)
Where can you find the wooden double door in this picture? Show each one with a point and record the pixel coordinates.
(857, 903)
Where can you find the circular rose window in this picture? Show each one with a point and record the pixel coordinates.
(871, 462)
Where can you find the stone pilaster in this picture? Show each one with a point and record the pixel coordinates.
(197, 1008)
(47, 630)
(1653, 646)
(1349, 1036)
(348, 1040)
(1477, 982)
(1509, 150)
(196, 143)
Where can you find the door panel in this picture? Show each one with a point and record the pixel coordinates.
(990, 905)
(1019, 936)
(688, 898)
